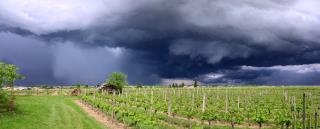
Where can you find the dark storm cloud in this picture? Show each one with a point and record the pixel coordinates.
(33, 56)
(63, 63)
(275, 75)
(180, 38)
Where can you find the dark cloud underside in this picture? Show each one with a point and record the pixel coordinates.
(155, 39)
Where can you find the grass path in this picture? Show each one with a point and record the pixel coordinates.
(47, 112)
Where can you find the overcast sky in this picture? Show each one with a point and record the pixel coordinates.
(63, 42)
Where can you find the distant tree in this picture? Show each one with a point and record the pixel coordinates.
(117, 80)
(195, 84)
(174, 85)
(182, 85)
(44, 86)
(139, 85)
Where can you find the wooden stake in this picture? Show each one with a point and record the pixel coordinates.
(113, 106)
(316, 120)
(192, 102)
(294, 120)
(285, 96)
(197, 91)
(238, 104)
(204, 102)
(310, 116)
(310, 120)
(151, 97)
(94, 94)
(227, 103)
(294, 112)
(294, 103)
(165, 96)
(304, 112)
(170, 107)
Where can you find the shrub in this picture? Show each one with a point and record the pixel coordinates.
(139, 85)
(117, 80)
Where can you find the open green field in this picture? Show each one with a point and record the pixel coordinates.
(47, 112)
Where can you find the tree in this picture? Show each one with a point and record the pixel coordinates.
(8, 75)
(2, 74)
(182, 85)
(117, 80)
(195, 84)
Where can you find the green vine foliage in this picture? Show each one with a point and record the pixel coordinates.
(262, 107)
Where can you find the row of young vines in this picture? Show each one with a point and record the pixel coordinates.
(219, 107)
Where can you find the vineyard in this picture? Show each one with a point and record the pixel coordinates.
(218, 107)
